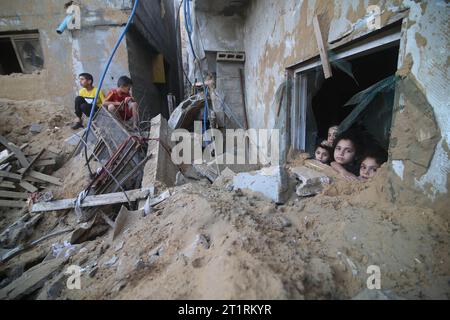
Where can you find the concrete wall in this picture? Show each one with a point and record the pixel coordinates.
(279, 34)
(66, 55)
(220, 33)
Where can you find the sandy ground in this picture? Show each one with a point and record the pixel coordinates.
(205, 242)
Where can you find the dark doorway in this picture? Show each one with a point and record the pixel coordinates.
(148, 91)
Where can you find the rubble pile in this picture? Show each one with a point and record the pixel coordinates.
(207, 232)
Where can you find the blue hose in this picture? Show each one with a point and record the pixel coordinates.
(63, 24)
(104, 74)
(188, 25)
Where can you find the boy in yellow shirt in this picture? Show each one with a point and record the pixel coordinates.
(85, 98)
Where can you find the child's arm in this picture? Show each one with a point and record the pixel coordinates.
(106, 102)
(341, 170)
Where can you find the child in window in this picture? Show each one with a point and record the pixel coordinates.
(332, 133)
(346, 153)
(372, 161)
(323, 153)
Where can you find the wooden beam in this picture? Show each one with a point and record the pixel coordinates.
(46, 162)
(12, 203)
(242, 81)
(7, 185)
(93, 201)
(42, 177)
(7, 169)
(28, 186)
(53, 150)
(11, 155)
(16, 150)
(10, 175)
(30, 165)
(322, 49)
(13, 195)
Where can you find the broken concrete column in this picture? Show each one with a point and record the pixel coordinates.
(159, 168)
(311, 181)
(272, 182)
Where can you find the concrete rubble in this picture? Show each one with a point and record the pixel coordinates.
(135, 225)
(272, 182)
(311, 182)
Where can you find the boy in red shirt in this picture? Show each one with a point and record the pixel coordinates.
(119, 101)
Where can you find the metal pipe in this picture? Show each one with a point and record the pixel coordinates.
(63, 24)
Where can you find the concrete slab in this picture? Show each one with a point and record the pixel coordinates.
(221, 160)
(159, 168)
(272, 182)
(311, 181)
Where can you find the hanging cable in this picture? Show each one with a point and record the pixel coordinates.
(177, 27)
(188, 26)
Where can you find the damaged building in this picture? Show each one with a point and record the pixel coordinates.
(47, 63)
(116, 203)
(270, 49)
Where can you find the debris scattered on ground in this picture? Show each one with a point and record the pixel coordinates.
(237, 235)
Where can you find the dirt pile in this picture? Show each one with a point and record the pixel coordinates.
(206, 242)
(51, 121)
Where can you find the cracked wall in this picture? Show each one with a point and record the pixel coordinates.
(66, 55)
(279, 34)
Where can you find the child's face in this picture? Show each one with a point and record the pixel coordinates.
(85, 82)
(125, 89)
(332, 133)
(322, 155)
(368, 168)
(344, 153)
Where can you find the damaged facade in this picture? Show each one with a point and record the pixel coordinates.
(148, 54)
(277, 38)
(139, 224)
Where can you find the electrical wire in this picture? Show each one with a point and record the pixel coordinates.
(177, 27)
(86, 133)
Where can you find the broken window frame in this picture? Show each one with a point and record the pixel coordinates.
(31, 35)
(373, 42)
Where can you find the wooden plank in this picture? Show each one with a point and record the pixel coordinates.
(7, 169)
(93, 201)
(16, 150)
(53, 150)
(28, 186)
(322, 49)
(30, 165)
(19, 59)
(11, 155)
(242, 80)
(13, 195)
(34, 180)
(43, 163)
(7, 185)
(42, 177)
(12, 203)
(10, 175)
